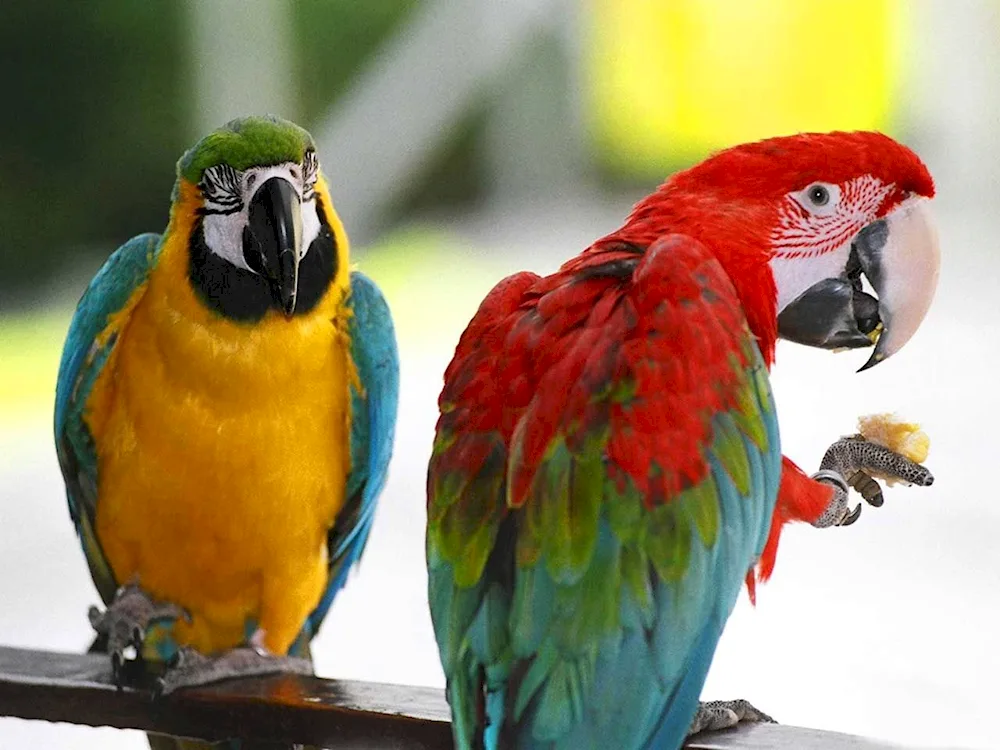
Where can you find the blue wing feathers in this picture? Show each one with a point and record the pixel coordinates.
(570, 700)
(373, 422)
(569, 679)
(124, 272)
(673, 727)
(119, 278)
(374, 405)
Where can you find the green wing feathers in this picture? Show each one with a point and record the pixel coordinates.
(603, 477)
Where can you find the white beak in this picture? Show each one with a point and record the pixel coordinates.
(902, 262)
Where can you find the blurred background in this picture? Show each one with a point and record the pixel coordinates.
(464, 140)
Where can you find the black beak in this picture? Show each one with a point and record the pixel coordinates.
(275, 225)
(831, 314)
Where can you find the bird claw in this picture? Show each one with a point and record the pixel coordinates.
(715, 715)
(124, 624)
(190, 668)
(851, 517)
(855, 462)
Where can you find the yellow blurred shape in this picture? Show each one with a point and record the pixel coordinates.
(30, 347)
(672, 80)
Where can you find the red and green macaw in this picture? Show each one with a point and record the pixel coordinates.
(607, 467)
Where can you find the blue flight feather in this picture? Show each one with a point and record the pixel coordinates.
(373, 424)
(116, 282)
(603, 660)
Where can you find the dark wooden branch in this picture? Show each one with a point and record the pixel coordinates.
(338, 714)
(78, 689)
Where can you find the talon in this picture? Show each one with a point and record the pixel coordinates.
(861, 460)
(717, 715)
(852, 516)
(118, 671)
(869, 489)
(130, 617)
(96, 617)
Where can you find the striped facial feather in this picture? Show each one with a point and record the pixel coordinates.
(805, 230)
(227, 192)
(221, 189)
(310, 173)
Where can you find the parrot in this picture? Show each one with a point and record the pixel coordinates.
(224, 416)
(606, 472)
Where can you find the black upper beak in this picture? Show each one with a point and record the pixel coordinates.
(836, 313)
(275, 223)
(831, 314)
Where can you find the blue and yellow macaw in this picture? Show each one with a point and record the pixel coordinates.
(225, 412)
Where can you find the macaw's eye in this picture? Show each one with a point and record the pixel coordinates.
(294, 173)
(818, 199)
(818, 195)
(251, 179)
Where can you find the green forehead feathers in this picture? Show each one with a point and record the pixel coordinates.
(246, 142)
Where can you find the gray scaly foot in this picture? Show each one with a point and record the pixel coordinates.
(856, 462)
(715, 715)
(192, 668)
(124, 625)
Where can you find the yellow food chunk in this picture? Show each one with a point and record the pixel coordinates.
(905, 438)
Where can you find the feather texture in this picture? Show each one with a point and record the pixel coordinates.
(229, 463)
(606, 467)
(374, 402)
(99, 319)
(604, 473)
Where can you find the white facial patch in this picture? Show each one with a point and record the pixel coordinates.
(227, 194)
(792, 276)
(816, 226)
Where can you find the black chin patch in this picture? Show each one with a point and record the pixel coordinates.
(824, 316)
(245, 296)
(318, 267)
(233, 292)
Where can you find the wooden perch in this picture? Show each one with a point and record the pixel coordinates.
(336, 714)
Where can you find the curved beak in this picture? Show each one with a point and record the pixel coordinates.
(275, 221)
(902, 262)
(831, 314)
(900, 257)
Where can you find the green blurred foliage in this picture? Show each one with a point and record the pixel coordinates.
(96, 109)
(93, 116)
(335, 40)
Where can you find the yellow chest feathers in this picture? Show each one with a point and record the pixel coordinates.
(223, 450)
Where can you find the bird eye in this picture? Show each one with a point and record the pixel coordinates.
(251, 179)
(818, 195)
(294, 173)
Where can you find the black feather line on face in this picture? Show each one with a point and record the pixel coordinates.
(245, 296)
